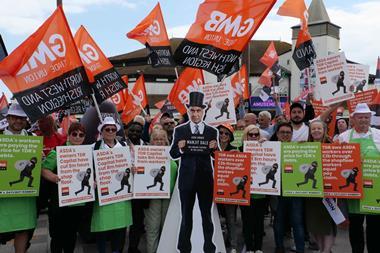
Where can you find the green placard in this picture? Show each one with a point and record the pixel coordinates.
(371, 186)
(20, 165)
(237, 138)
(302, 169)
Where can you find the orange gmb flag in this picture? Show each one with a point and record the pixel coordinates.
(107, 81)
(266, 77)
(293, 8)
(239, 85)
(220, 32)
(270, 56)
(120, 98)
(45, 72)
(136, 100)
(151, 32)
(190, 80)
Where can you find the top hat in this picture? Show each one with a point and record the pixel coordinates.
(196, 99)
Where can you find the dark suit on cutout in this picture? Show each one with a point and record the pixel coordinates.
(195, 179)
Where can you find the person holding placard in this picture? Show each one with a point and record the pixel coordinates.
(63, 221)
(369, 140)
(318, 220)
(253, 215)
(18, 216)
(156, 212)
(110, 220)
(292, 206)
(226, 136)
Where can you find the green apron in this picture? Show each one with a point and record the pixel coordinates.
(17, 213)
(368, 150)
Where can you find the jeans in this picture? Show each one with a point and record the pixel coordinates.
(289, 207)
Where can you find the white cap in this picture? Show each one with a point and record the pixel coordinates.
(108, 121)
(16, 110)
(362, 108)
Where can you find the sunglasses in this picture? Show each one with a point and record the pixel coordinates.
(285, 132)
(110, 130)
(224, 133)
(253, 134)
(75, 134)
(169, 123)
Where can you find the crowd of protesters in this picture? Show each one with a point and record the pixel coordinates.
(307, 218)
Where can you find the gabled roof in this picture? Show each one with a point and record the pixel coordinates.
(130, 63)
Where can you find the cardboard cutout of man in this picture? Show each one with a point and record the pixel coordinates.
(194, 142)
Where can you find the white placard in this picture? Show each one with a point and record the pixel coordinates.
(152, 177)
(74, 168)
(265, 166)
(113, 174)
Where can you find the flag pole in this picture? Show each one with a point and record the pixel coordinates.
(176, 72)
(97, 107)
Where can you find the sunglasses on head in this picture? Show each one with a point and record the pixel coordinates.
(110, 129)
(75, 134)
(253, 134)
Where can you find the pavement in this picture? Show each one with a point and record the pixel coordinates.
(40, 241)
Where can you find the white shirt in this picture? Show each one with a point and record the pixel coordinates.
(345, 136)
(302, 134)
(201, 127)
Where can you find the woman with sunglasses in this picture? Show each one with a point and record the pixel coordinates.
(156, 212)
(226, 136)
(318, 221)
(63, 221)
(110, 221)
(253, 215)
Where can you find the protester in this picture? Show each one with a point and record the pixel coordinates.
(18, 215)
(253, 215)
(341, 125)
(168, 125)
(240, 124)
(250, 119)
(134, 134)
(291, 207)
(110, 221)
(156, 212)
(369, 140)
(48, 129)
(318, 220)
(63, 221)
(265, 123)
(226, 136)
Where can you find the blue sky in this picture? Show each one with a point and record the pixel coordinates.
(109, 20)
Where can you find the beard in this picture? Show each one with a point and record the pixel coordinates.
(296, 121)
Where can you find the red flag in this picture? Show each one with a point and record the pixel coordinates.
(45, 72)
(160, 104)
(287, 110)
(151, 32)
(239, 84)
(220, 32)
(99, 69)
(270, 56)
(266, 77)
(189, 80)
(119, 99)
(293, 8)
(3, 103)
(136, 100)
